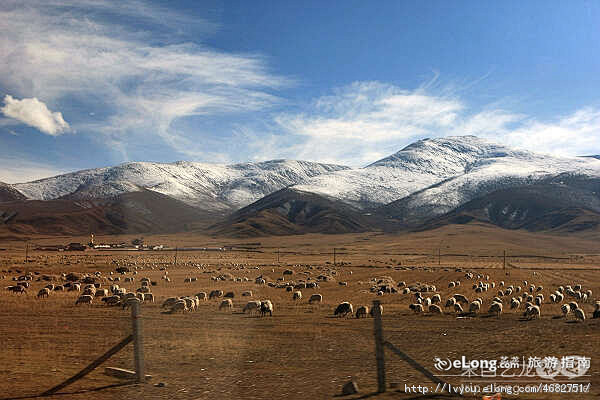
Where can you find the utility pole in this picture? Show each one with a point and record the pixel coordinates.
(334, 260)
(278, 255)
(504, 262)
(439, 256)
(26, 252)
(175, 255)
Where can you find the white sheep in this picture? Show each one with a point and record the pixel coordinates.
(226, 303)
(474, 307)
(315, 298)
(266, 306)
(343, 309)
(565, 309)
(496, 307)
(44, 292)
(362, 311)
(533, 312)
(417, 308)
(178, 306)
(579, 314)
(297, 295)
(251, 307)
(84, 299)
(435, 309)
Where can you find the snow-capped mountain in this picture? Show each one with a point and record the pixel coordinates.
(434, 176)
(425, 180)
(207, 186)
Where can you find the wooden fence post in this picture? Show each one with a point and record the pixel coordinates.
(379, 347)
(138, 351)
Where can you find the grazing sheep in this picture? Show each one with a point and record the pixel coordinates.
(59, 288)
(435, 309)
(252, 306)
(372, 312)
(533, 312)
(596, 310)
(111, 300)
(226, 303)
(417, 308)
(450, 302)
(515, 303)
(579, 314)
(169, 302)
(229, 295)
(496, 308)
(297, 295)
(565, 309)
(215, 293)
(247, 293)
(474, 307)
(362, 311)
(84, 299)
(315, 298)
(44, 292)
(178, 306)
(266, 306)
(140, 296)
(129, 302)
(76, 287)
(202, 296)
(436, 299)
(102, 293)
(458, 308)
(343, 309)
(573, 305)
(460, 298)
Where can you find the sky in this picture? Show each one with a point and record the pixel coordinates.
(87, 84)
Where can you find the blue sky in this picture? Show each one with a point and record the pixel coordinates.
(85, 84)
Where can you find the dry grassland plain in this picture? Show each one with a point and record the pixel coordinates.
(302, 351)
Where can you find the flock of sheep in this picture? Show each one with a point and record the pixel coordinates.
(523, 296)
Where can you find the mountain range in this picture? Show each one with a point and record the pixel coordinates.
(427, 184)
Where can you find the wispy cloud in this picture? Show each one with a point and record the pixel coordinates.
(129, 60)
(35, 113)
(17, 170)
(365, 121)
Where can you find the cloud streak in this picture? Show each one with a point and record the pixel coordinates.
(142, 76)
(35, 113)
(365, 121)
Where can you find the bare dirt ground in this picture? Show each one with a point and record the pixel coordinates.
(302, 352)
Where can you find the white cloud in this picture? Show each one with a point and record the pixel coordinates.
(35, 113)
(366, 121)
(131, 62)
(17, 170)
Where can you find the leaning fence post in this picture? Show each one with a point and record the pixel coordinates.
(138, 351)
(379, 347)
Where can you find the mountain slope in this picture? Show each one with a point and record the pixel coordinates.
(218, 188)
(561, 204)
(8, 193)
(288, 211)
(416, 167)
(434, 176)
(143, 211)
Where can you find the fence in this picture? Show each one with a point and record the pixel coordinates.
(381, 344)
(138, 354)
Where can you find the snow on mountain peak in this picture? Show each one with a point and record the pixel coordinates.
(208, 186)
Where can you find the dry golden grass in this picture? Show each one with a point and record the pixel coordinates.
(302, 351)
